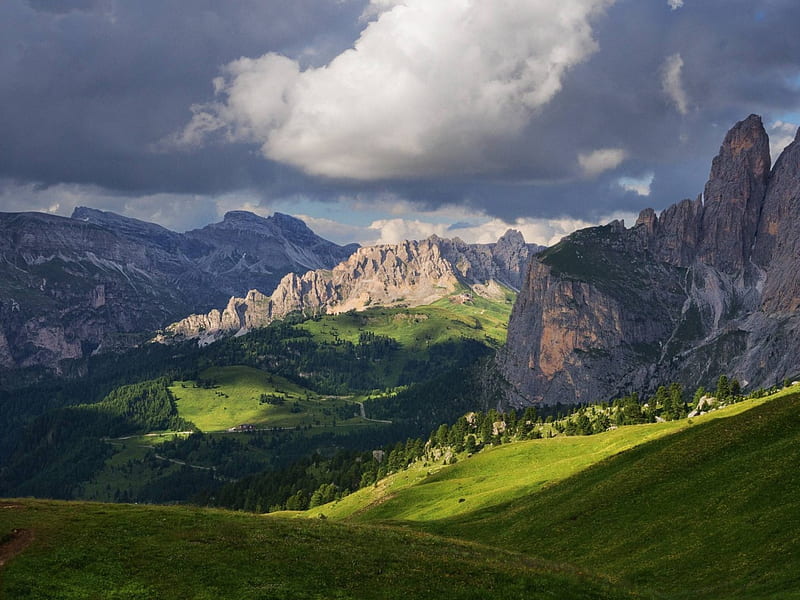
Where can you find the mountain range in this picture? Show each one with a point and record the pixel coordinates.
(710, 286)
(412, 273)
(97, 280)
(707, 287)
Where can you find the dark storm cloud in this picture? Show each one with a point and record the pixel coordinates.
(90, 86)
(66, 6)
(734, 64)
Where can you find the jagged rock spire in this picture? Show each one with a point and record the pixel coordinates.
(777, 247)
(734, 196)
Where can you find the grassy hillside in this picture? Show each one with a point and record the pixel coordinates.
(233, 397)
(712, 511)
(136, 552)
(446, 319)
(497, 475)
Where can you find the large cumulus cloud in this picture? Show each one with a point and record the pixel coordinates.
(428, 89)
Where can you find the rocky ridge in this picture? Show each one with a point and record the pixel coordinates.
(709, 286)
(412, 273)
(100, 281)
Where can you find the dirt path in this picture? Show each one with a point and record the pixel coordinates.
(364, 415)
(198, 467)
(14, 543)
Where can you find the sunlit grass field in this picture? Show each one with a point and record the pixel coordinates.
(707, 508)
(235, 396)
(499, 474)
(444, 320)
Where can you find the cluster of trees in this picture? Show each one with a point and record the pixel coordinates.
(205, 384)
(63, 447)
(727, 389)
(273, 399)
(25, 395)
(372, 346)
(340, 367)
(142, 407)
(434, 400)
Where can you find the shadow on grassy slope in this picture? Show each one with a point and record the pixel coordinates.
(710, 512)
(136, 552)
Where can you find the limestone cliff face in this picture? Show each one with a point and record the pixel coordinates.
(710, 286)
(777, 246)
(412, 273)
(734, 196)
(99, 281)
(590, 303)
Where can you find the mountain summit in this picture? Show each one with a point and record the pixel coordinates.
(710, 286)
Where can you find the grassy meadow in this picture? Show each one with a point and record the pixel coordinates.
(707, 508)
(430, 492)
(234, 399)
(125, 552)
(422, 326)
(693, 509)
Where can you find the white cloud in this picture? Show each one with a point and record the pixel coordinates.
(392, 231)
(672, 83)
(675, 4)
(639, 185)
(596, 162)
(484, 230)
(424, 90)
(781, 134)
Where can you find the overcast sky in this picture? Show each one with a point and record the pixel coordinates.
(377, 120)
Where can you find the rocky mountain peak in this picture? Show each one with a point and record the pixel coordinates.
(247, 221)
(289, 223)
(409, 273)
(709, 286)
(511, 237)
(647, 219)
(123, 224)
(777, 247)
(98, 279)
(242, 216)
(734, 196)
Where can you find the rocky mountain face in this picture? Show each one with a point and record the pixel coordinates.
(708, 287)
(100, 280)
(412, 273)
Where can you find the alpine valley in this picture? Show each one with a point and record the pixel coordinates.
(615, 416)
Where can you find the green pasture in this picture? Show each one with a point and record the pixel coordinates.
(234, 399)
(124, 552)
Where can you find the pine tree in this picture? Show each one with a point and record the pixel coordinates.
(723, 388)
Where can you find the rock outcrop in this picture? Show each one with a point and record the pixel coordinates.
(777, 246)
(99, 281)
(734, 196)
(412, 273)
(709, 286)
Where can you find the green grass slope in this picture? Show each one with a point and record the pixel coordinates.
(234, 400)
(712, 511)
(447, 319)
(124, 552)
(497, 475)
